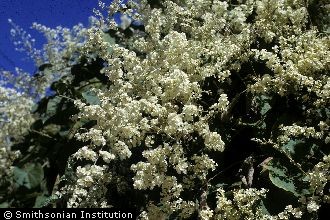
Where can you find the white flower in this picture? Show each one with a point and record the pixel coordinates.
(85, 153)
(189, 111)
(206, 213)
(312, 206)
(122, 150)
(212, 141)
(107, 156)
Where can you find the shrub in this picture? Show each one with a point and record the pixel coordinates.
(188, 109)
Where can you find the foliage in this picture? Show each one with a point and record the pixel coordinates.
(197, 109)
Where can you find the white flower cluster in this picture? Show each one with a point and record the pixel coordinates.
(312, 206)
(320, 175)
(247, 201)
(296, 131)
(90, 187)
(6, 164)
(299, 63)
(143, 103)
(213, 141)
(276, 18)
(153, 109)
(61, 51)
(94, 135)
(62, 43)
(15, 115)
(86, 153)
(25, 42)
(15, 121)
(296, 62)
(290, 211)
(202, 165)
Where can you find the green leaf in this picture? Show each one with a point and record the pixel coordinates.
(52, 129)
(290, 146)
(52, 105)
(76, 127)
(34, 108)
(4, 205)
(91, 97)
(40, 201)
(263, 208)
(64, 133)
(278, 175)
(30, 176)
(328, 30)
(110, 40)
(44, 201)
(265, 108)
(264, 103)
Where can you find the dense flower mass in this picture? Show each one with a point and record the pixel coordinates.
(14, 122)
(190, 90)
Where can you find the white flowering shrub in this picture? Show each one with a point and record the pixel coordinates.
(186, 110)
(15, 121)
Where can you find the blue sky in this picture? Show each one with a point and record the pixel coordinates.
(51, 13)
